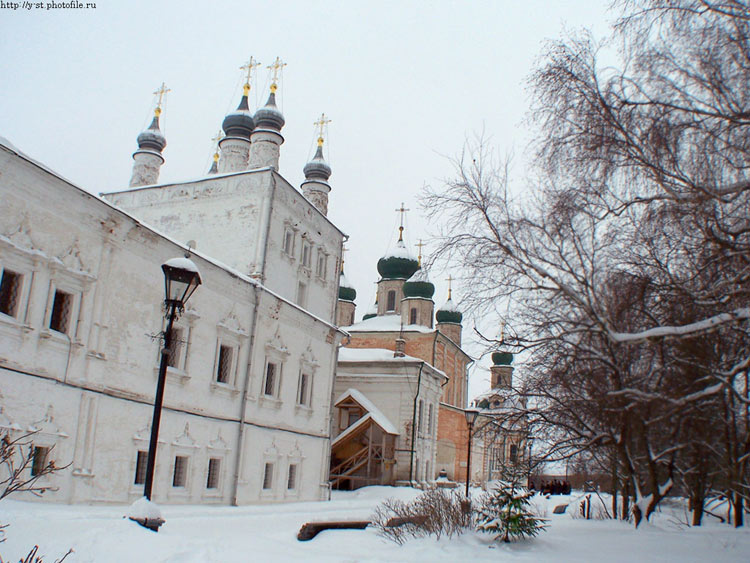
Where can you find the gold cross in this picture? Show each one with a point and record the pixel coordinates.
(419, 257)
(450, 281)
(277, 66)
(160, 92)
(249, 66)
(218, 137)
(402, 210)
(321, 123)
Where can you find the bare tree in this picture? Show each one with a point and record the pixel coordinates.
(629, 262)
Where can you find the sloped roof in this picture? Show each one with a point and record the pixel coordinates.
(373, 413)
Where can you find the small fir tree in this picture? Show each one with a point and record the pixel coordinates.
(506, 512)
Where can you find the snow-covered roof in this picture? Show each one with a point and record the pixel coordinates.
(373, 413)
(449, 306)
(372, 355)
(182, 264)
(386, 323)
(399, 251)
(419, 276)
(343, 282)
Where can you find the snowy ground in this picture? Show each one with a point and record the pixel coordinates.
(268, 533)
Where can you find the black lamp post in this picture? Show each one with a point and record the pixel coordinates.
(471, 417)
(181, 279)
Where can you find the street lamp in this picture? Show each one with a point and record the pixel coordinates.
(181, 279)
(471, 417)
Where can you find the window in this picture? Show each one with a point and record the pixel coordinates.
(39, 460)
(180, 471)
(175, 351)
(391, 303)
(10, 292)
(513, 453)
(354, 416)
(289, 242)
(429, 420)
(141, 464)
(413, 316)
(321, 269)
(291, 482)
(224, 365)
(419, 416)
(62, 306)
(269, 385)
(302, 294)
(304, 389)
(268, 476)
(306, 254)
(212, 480)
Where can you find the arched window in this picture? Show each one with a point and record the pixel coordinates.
(391, 303)
(413, 316)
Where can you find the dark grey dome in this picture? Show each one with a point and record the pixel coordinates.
(152, 138)
(269, 116)
(317, 168)
(239, 123)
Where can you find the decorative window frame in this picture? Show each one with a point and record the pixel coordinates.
(321, 265)
(305, 266)
(25, 262)
(288, 251)
(23, 266)
(295, 457)
(186, 323)
(276, 353)
(141, 440)
(75, 284)
(307, 365)
(46, 434)
(185, 446)
(270, 455)
(233, 336)
(219, 449)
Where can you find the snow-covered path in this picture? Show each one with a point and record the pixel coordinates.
(268, 533)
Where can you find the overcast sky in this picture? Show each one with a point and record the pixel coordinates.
(404, 84)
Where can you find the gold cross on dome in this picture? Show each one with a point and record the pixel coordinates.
(160, 92)
(450, 283)
(277, 66)
(343, 249)
(321, 124)
(248, 67)
(402, 210)
(216, 138)
(419, 256)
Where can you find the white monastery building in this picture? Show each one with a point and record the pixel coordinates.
(247, 406)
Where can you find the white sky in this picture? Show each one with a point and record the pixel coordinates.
(403, 82)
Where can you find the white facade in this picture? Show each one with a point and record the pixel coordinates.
(255, 222)
(80, 298)
(407, 392)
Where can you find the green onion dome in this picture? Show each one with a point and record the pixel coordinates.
(346, 291)
(502, 358)
(448, 313)
(419, 286)
(398, 264)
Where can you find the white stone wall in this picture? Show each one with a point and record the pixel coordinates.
(90, 388)
(241, 219)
